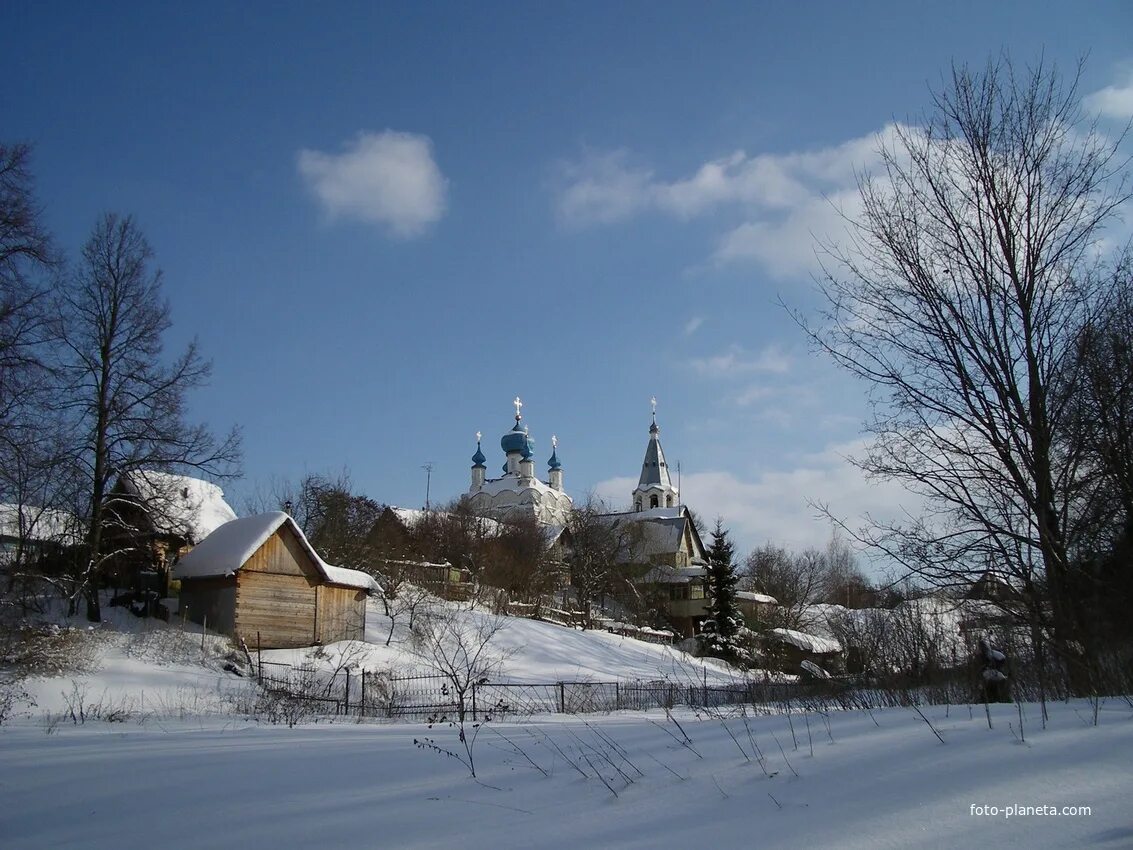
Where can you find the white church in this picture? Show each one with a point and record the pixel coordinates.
(667, 553)
(519, 492)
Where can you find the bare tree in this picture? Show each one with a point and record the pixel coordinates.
(517, 560)
(26, 257)
(34, 487)
(797, 581)
(126, 402)
(972, 266)
(1099, 387)
(458, 646)
(599, 543)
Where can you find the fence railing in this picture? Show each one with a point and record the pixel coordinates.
(430, 696)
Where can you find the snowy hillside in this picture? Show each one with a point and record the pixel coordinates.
(158, 667)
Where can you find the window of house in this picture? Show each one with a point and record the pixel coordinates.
(696, 591)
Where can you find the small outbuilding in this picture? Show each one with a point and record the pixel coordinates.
(258, 579)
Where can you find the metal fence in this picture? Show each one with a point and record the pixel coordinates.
(433, 697)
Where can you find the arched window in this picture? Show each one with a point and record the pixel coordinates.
(668, 501)
(637, 505)
(652, 501)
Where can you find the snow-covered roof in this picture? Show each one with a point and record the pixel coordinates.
(411, 516)
(664, 574)
(807, 643)
(659, 532)
(228, 548)
(179, 504)
(40, 524)
(752, 596)
(514, 483)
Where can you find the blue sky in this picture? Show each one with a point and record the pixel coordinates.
(383, 221)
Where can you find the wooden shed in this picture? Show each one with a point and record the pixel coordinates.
(257, 578)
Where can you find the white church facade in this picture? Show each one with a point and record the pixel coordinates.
(519, 492)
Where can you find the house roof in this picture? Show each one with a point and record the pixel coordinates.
(662, 530)
(179, 504)
(40, 524)
(752, 596)
(409, 517)
(805, 642)
(664, 574)
(228, 548)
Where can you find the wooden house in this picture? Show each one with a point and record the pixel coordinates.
(662, 554)
(153, 518)
(258, 579)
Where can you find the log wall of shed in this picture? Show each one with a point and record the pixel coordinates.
(341, 613)
(276, 594)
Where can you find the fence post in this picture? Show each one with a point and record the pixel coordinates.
(362, 704)
(346, 694)
(473, 702)
(204, 624)
(260, 656)
(562, 698)
(617, 696)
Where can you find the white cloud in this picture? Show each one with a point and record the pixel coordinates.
(779, 505)
(1114, 101)
(389, 179)
(737, 361)
(693, 325)
(601, 189)
(790, 246)
(788, 201)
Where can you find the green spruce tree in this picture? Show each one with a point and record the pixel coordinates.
(724, 619)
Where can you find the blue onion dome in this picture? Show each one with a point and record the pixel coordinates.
(515, 439)
(528, 450)
(554, 463)
(478, 458)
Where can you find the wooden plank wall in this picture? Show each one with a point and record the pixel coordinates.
(276, 602)
(281, 599)
(341, 613)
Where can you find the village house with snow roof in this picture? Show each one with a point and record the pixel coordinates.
(259, 580)
(155, 517)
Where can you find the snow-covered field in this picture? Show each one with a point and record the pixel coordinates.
(177, 773)
(893, 784)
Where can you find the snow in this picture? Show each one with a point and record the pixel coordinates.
(41, 524)
(182, 504)
(531, 651)
(874, 780)
(807, 643)
(752, 596)
(230, 546)
(665, 574)
(238, 785)
(514, 483)
(411, 516)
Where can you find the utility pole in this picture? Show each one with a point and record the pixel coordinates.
(428, 467)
